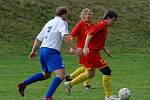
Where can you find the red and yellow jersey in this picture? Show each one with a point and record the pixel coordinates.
(80, 31)
(99, 34)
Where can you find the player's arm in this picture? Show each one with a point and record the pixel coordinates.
(107, 52)
(86, 49)
(36, 46)
(70, 43)
(71, 51)
(74, 33)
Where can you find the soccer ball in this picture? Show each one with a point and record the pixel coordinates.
(124, 94)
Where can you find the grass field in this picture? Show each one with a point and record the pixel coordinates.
(128, 70)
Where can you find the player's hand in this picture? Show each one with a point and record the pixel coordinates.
(85, 51)
(78, 51)
(71, 51)
(32, 55)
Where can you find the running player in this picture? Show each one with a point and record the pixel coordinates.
(49, 41)
(95, 42)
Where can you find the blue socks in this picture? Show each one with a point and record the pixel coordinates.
(36, 77)
(55, 83)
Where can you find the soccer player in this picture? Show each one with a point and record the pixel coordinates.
(79, 33)
(95, 42)
(49, 41)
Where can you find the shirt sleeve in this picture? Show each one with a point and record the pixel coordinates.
(96, 28)
(40, 36)
(63, 29)
(75, 30)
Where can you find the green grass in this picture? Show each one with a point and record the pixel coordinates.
(128, 70)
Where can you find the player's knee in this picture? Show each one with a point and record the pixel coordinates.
(46, 75)
(62, 77)
(106, 70)
(90, 75)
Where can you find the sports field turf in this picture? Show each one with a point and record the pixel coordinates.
(128, 70)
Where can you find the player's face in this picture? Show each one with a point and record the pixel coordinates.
(111, 21)
(88, 16)
(64, 17)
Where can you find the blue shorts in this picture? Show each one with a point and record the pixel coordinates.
(50, 59)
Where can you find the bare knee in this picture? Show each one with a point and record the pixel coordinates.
(90, 73)
(60, 73)
(61, 77)
(46, 75)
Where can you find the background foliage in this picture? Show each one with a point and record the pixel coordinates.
(22, 20)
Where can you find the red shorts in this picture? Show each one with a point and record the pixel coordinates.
(94, 60)
(82, 59)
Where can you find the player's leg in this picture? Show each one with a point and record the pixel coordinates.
(80, 69)
(107, 84)
(34, 78)
(55, 83)
(55, 63)
(89, 73)
(107, 80)
(77, 72)
(86, 84)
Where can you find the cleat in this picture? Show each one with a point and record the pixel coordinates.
(67, 87)
(48, 98)
(67, 77)
(113, 97)
(87, 87)
(21, 88)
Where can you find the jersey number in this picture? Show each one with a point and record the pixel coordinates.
(49, 29)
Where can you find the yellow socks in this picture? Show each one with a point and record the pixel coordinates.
(81, 78)
(87, 82)
(77, 72)
(107, 85)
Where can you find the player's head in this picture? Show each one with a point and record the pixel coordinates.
(61, 12)
(110, 17)
(87, 15)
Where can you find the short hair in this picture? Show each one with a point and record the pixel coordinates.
(85, 11)
(61, 10)
(110, 14)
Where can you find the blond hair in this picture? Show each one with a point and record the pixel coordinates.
(85, 11)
